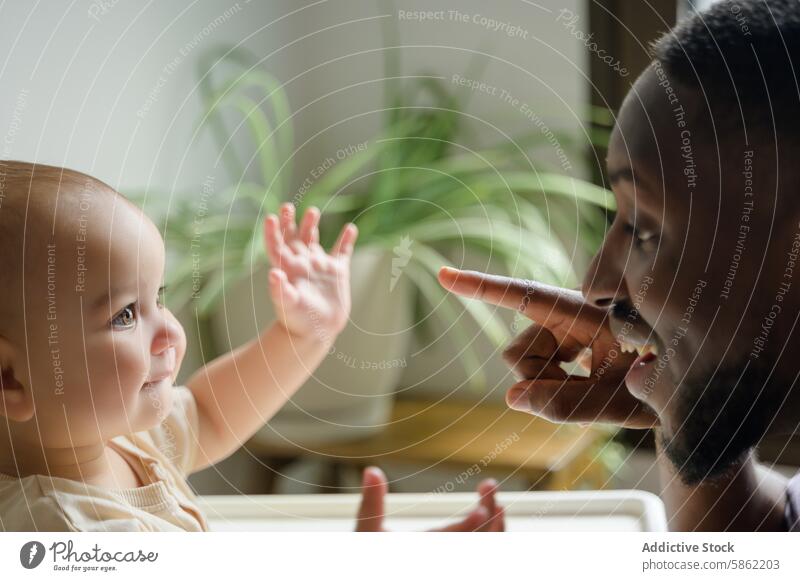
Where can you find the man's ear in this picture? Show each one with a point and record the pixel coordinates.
(16, 401)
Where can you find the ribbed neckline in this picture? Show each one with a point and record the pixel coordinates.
(153, 496)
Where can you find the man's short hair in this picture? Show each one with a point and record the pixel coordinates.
(742, 56)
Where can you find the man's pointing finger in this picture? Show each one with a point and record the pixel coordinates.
(550, 306)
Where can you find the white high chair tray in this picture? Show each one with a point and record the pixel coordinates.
(618, 510)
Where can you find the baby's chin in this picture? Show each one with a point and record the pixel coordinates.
(155, 403)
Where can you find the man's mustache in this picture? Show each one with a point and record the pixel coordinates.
(625, 311)
(629, 324)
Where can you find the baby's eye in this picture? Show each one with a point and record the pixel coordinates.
(126, 318)
(160, 297)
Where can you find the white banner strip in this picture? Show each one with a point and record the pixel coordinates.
(406, 556)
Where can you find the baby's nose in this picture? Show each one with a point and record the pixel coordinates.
(168, 335)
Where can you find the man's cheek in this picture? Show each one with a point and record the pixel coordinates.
(672, 415)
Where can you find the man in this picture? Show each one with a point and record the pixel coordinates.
(698, 271)
(699, 263)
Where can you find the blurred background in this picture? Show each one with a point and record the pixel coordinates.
(464, 133)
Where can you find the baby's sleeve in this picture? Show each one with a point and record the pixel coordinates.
(177, 436)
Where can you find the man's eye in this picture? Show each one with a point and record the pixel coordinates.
(126, 318)
(640, 237)
(644, 236)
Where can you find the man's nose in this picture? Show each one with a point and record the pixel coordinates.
(603, 283)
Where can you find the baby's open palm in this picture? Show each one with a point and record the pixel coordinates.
(309, 287)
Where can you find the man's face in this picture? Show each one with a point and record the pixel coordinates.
(683, 268)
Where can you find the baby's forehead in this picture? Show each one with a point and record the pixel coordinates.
(112, 241)
(87, 219)
(64, 223)
(46, 201)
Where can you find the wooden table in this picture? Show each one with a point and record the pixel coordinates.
(470, 438)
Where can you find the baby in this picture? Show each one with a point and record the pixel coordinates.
(95, 437)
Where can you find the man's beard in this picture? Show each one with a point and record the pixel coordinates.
(719, 420)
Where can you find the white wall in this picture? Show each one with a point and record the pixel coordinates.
(105, 87)
(88, 84)
(545, 70)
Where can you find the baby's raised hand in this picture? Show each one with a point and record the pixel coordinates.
(310, 288)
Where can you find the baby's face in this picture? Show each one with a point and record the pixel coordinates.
(102, 350)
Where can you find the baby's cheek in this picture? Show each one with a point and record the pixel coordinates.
(180, 349)
(118, 401)
(132, 368)
(120, 368)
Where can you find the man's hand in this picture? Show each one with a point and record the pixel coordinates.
(310, 288)
(564, 325)
(486, 517)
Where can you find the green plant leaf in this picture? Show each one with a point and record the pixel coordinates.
(489, 324)
(430, 289)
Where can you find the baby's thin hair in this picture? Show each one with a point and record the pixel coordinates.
(29, 192)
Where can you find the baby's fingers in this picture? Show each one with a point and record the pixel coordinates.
(309, 227)
(487, 491)
(347, 239)
(498, 521)
(287, 222)
(277, 251)
(284, 295)
(475, 521)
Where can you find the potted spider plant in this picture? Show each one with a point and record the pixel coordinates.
(421, 199)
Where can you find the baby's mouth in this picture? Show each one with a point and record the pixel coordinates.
(155, 382)
(150, 384)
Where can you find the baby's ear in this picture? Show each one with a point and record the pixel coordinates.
(16, 402)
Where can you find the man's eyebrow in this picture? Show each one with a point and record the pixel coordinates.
(621, 174)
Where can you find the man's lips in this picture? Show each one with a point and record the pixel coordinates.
(644, 359)
(646, 374)
(636, 380)
(635, 333)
